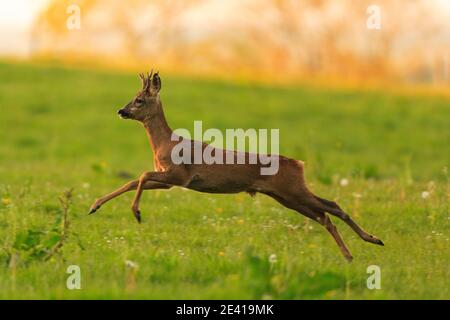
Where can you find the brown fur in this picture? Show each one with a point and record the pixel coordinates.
(287, 186)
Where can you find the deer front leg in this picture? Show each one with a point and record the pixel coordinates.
(167, 177)
(132, 185)
(126, 187)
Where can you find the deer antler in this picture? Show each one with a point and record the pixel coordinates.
(145, 81)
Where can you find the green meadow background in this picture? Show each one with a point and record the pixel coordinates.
(382, 154)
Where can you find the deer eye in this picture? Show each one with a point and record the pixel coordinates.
(139, 101)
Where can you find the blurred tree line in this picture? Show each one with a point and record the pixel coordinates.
(293, 38)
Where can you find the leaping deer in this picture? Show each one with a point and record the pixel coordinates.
(287, 186)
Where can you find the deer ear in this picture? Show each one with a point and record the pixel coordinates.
(155, 84)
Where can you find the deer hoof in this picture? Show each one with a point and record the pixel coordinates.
(379, 242)
(137, 215)
(94, 207)
(375, 240)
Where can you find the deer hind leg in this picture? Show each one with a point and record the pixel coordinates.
(132, 185)
(334, 209)
(326, 221)
(318, 216)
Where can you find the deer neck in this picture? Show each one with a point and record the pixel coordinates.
(158, 131)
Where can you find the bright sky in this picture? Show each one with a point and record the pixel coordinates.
(16, 18)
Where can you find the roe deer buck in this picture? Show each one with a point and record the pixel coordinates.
(287, 185)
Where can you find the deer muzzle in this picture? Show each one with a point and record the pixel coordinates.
(123, 113)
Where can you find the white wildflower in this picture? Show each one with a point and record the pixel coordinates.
(273, 258)
(131, 264)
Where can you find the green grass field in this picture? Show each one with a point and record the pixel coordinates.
(59, 130)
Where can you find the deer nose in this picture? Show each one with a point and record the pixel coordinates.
(122, 113)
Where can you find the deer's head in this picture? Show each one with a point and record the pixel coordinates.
(146, 103)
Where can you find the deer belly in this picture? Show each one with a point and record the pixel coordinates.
(212, 184)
